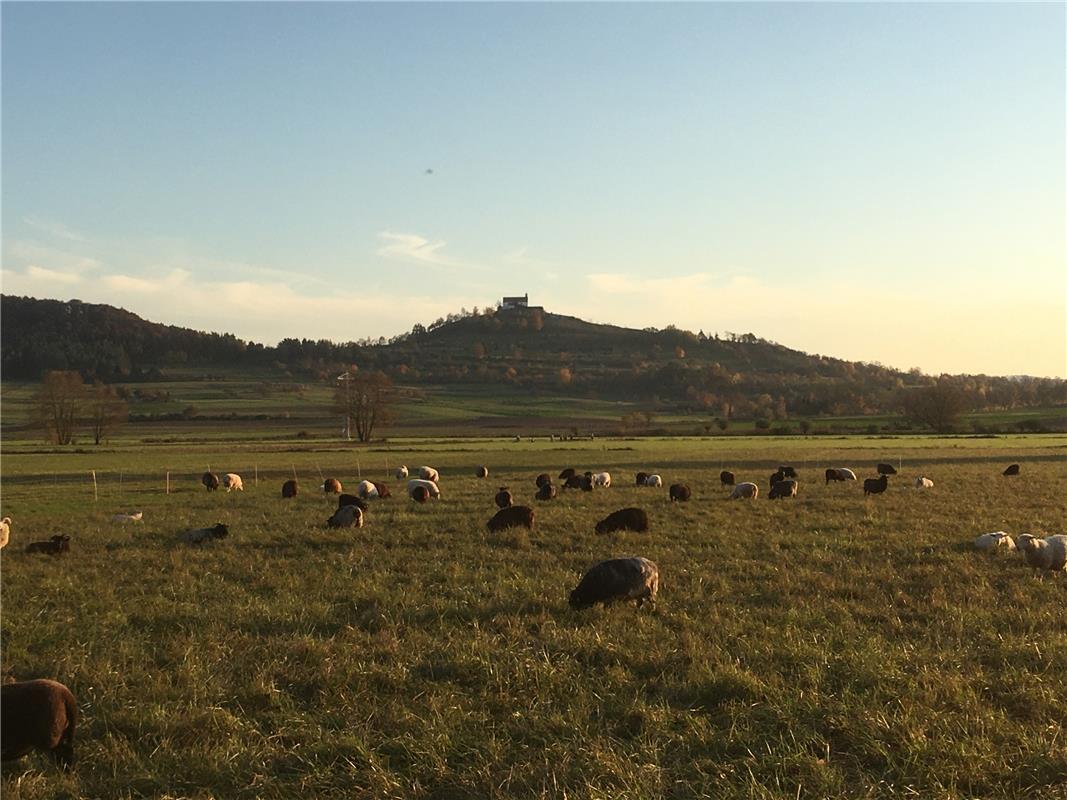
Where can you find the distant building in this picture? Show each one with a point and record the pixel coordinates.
(516, 302)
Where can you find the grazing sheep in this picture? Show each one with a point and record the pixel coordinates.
(602, 479)
(639, 478)
(680, 492)
(543, 480)
(290, 488)
(922, 482)
(401, 472)
(429, 474)
(746, 490)
(232, 482)
(875, 485)
(503, 498)
(346, 517)
(994, 541)
(617, 579)
(133, 516)
(546, 492)
(332, 486)
(420, 494)
(726, 478)
(567, 473)
(60, 543)
(383, 490)
(482, 472)
(210, 481)
(38, 715)
(886, 469)
(1048, 553)
(654, 481)
(574, 482)
(351, 500)
(430, 486)
(776, 477)
(625, 519)
(839, 474)
(5, 531)
(201, 535)
(511, 517)
(1013, 469)
(786, 487)
(787, 471)
(366, 490)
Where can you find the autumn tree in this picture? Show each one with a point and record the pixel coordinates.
(938, 406)
(365, 400)
(105, 410)
(60, 404)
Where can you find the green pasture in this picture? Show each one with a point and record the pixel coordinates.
(830, 646)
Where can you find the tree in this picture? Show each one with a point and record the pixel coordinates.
(938, 406)
(105, 410)
(60, 404)
(365, 399)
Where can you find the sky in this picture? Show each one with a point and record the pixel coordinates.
(876, 182)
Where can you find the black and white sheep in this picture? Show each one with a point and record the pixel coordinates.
(839, 474)
(617, 579)
(60, 543)
(680, 492)
(346, 517)
(429, 485)
(367, 490)
(38, 715)
(655, 481)
(511, 517)
(625, 519)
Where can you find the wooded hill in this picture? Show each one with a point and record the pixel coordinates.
(730, 376)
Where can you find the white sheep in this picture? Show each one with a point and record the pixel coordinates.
(994, 541)
(5, 531)
(1048, 553)
(401, 472)
(429, 485)
(232, 482)
(366, 490)
(746, 490)
(922, 482)
(135, 516)
(602, 479)
(346, 517)
(429, 474)
(654, 480)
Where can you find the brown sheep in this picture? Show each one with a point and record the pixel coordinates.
(617, 579)
(420, 494)
(783, 488)
(1012, 469)
(383, 490)
(511, 517)
(331, 486)
(726, 478)
(38, 715)
(639, 478)
(290, 488)
(53, 547)
(680, 492)
(625, 519)
(542, 479)
(503, 498)
(546, 492)
(482, 472)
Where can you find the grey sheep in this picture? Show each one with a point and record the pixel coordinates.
(617, 579)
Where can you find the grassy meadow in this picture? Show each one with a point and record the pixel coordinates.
(829, 646)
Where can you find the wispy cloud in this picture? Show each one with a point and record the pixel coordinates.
(61, 259)
(54, 276)
(55, 229)
(413, 248)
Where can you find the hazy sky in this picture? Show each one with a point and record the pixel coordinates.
(874, 182)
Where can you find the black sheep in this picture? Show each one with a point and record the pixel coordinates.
(420, 494)
(210, 481)
(680, 492)
(886, 469)
(511, 517)
(575, 482)
(1012, 470)
(543, 479)
(617, 579)
(290, 488)
(726, 478)
(625, 519)
(546, 492)
(352, 500)
(503, 498)
(789, 472)
(783, 488)
(482, 472)
(567, 473)
(60, 543)
(38, 715)
(776, 477)
(875, 485)
(640, 477)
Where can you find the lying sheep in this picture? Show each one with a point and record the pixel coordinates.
(331, 486)
(429, 485)
(875, 485)
(60, 543)
(654, 481)
(839, 474)
(503, 498)
(569, 472)
(886, 469)
(290, 488)
(617, 579)
(511, 517)
(367, 490)
(429, 474)
(1012, 469)
(746, 490)
(346, 517)
(210, 481)
(5, 531)
(726, 478)
(680, 492)
(401, 472)
(482, 472)
(133, 516)
(784, 488)
(587, 483)
(201, 535)
(38, 715)
(994, 541)
(922, 482)
(420, 494)
(351, 500)
(575, 482)
(625, 519)
(543, 480)
(546, 492)
(602, 479)
(1048, 553)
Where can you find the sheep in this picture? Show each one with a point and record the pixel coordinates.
(232, 482)
(602, 479)
(574, 482)
(429, 474)
(332, 486)
(784, 488)
(775, 478)
(680, 492)
(210, 481)
(482, 472)
(290, 488)
(617, 579)
(38, 715)
(569, 472)
(366, 490)
(401, 472)
(430, 486)
(922, 482)
(886, 469)
(994, 541)
(546, 492)
(60, 543)
(639, 478)
(201, 535)
(787, 471)
(5, 531)
(383, 490)
(625, 519)
(543, 480)
(351, 500)
(503, 498)
(587, 483)
(726, 478)
(1048, 553)
(511, 517)
(420, 494)
(839, 474)
(746, 490)
(875, 485)
(346, 517)
(133, 516)
(654, 481)
(1012, 469)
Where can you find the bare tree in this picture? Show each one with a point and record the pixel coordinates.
(106, 410)
(938, 406)
(59, 405)
(365, 400)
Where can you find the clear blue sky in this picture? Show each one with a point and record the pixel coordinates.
(876, 182)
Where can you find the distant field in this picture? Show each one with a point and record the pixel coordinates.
(829, 646)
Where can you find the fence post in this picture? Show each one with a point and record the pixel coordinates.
(168, 480)
(95, 495)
